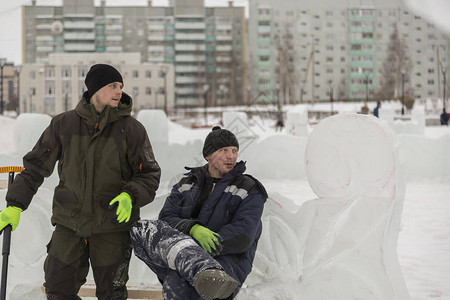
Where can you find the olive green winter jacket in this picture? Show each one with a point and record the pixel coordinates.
(99, 156)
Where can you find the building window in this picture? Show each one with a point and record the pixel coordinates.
(66, 73)
(148, 91)
(135, 74)
(148, 74)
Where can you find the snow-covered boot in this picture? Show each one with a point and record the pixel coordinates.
(214, 284)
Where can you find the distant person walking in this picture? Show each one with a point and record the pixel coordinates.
(375, 111)
(444, 117)
(280, 124)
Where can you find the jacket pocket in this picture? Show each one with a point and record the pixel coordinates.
(103, 201)
(64, 195)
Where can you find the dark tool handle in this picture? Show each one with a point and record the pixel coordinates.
(5, 253)
(6, 248)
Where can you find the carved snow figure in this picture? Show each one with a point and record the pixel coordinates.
(341, 245)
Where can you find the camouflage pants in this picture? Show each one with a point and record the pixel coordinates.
(172, 255)
(68, 259)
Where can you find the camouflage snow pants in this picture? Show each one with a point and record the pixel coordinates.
(174, 257)
(67, 264)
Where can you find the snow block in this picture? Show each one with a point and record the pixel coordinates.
(297, 121)
(156, 123)
(26, 136)
(341, 245)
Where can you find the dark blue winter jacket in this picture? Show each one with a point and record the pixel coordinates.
(233, 210)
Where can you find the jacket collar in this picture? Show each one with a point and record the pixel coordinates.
(87, 111)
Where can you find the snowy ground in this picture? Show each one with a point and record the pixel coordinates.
(424, 241)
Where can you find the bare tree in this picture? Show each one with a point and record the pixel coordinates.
(341, 93)
(285, 68)
(396, 65)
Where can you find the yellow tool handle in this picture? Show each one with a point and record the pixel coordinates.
(16, 169)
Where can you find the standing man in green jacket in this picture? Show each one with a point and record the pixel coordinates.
(107, 171)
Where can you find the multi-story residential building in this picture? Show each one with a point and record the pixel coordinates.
(8, 85)
(57, 85)
(206, 45)
(306, 50)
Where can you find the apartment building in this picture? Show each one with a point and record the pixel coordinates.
(308, 50)
(8, 85)
(206, 45)
(57, 85)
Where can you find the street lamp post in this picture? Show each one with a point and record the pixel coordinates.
(30, 105)
(135, 94)
(66, 100)
(18, 70)
(223, 93)
(301, 92)
(205, 98)
(367, 86)
(402, 71)
(277, 91)
(331, 97)
(164, 73)
(444, 72)
(2, 65)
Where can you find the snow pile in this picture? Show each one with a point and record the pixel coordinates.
(344, 243)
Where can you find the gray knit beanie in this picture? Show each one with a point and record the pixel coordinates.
(100, 75)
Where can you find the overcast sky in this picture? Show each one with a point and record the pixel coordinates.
(435, 11)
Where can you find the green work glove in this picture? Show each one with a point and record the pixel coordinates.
(124, 206)
(209, 240)
(10, 215)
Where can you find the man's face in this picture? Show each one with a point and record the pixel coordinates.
(108, 95)
(222, 161)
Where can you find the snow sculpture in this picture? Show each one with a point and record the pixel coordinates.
(343, 244)
(297, 121)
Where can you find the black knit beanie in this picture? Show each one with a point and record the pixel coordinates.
(217, 139)
(100, 75)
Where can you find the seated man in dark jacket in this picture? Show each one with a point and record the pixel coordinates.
(204, 243)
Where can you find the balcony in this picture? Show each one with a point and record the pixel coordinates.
(190, 47)
(190, 69)
(224, 37)
(190, 58)
(79, 36)
(194, 25)
(188, 80)
(79, 47)
(190, 36)
(79, 25)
